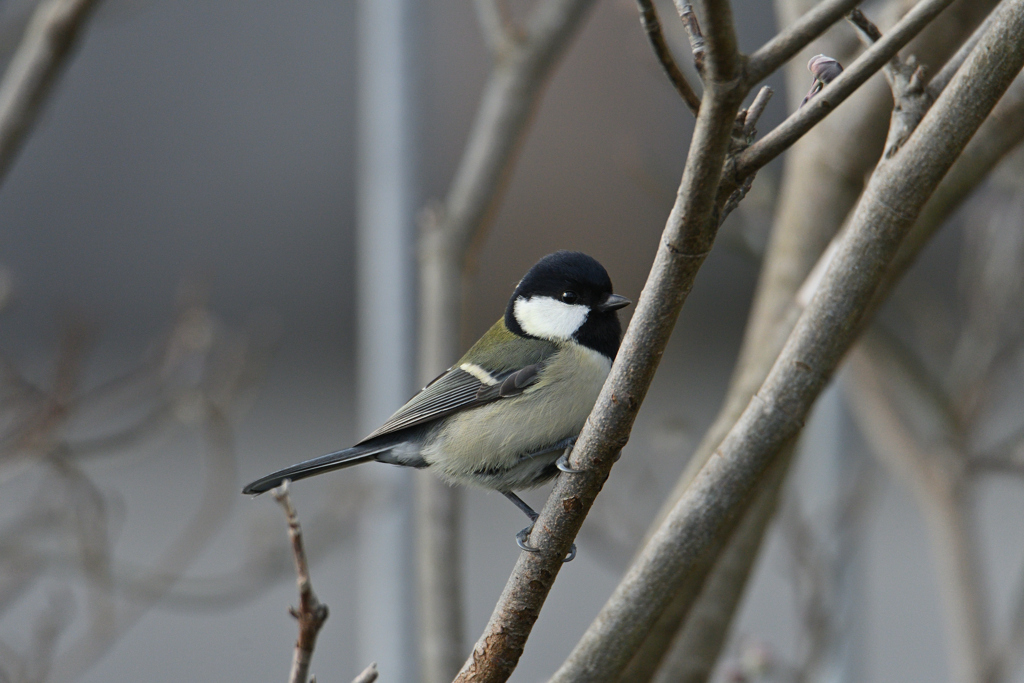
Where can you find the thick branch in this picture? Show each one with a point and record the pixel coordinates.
(705, 628)
(893, 198)
(724, 59)
(50, 37)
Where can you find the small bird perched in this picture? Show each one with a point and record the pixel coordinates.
(505, 416)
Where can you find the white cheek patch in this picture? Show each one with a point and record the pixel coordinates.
(547, 318)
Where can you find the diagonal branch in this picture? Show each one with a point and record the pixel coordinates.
(784, 46)
(945, 75)
(652, 27)
(495, 25)
(698, 47)
(49, 39)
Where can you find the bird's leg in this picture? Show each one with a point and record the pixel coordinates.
(523, 535)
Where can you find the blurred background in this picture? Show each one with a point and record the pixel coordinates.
(181, 283)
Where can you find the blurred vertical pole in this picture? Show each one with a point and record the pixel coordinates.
(386, 237)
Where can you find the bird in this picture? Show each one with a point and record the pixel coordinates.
(506, 415)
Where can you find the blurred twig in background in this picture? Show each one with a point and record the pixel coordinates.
(936, 412)
(200, 376)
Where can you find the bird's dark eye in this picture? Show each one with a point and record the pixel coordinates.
(570, 297)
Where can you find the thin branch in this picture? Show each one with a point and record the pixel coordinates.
(495, 25)
(1001, 132)
(311, 614)
(754, 112)
(698, 47)
(873, 59)
(720, 493)
(1009, 655)
(49, 39)
(368, 675)
(992, 465)
(788, 42)
(746, 121)
(906, 81)
(652, 27)
(211, 512)
(704, 627)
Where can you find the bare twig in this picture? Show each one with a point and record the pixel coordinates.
(906, 80)
(368, 675)
(754, 111)
(1002, 131)
(784, 46)
(495, 25)
(499, 647)
(49, 39)
(693, 34)
(311, 614)
(652, 27)
(874, 58)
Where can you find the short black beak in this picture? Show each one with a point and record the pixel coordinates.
(613, 303)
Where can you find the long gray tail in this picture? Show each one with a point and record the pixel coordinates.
(325, 463)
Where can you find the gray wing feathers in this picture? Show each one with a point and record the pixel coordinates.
(512, 385)
(455, 390)
(451, 391)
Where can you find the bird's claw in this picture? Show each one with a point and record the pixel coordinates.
(563, 463)
(523, 545)
(521, 540)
